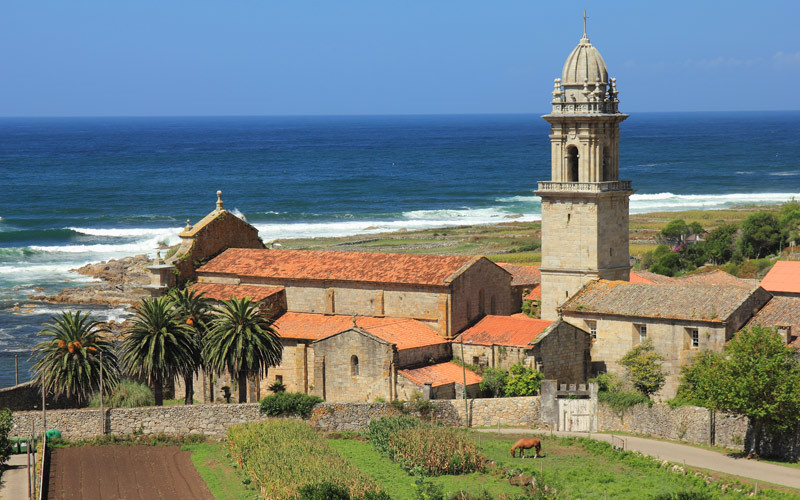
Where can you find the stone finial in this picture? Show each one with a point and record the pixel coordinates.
(188, 226)
(158, 258)
(219, 200)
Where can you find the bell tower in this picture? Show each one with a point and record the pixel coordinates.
(584, 205)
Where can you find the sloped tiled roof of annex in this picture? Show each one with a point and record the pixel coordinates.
(715, 277)
(648, 277)
(535, 293)
(523, 275)
(405, 333)
(216, 291)
(513, 331)
(779, 311)
(338, 266)
(440, 374)
(783, 277)
(688, 302)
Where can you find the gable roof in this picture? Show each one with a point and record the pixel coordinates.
(648, 277)
(216, 291)
(675, 301)
(418, 269)
(715, 277)
(535, 293)
(512, 331)
(784, 277)
(779, 311)
(523, 275)
(403, 332)
(441, 374)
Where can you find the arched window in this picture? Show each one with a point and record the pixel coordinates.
(606, 172)
(493, 308)
(354, 365)
(572, 164)
(481, 304)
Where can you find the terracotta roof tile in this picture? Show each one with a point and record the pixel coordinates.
(784, 277)
(217, 291)
(338, 266)
(403, 332)
(535, 294)
(441, 374)
(512, 331)
(676, 301)
(779, 311)
(715, 277)
(523, 275)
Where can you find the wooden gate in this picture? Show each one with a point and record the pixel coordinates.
(575, 414)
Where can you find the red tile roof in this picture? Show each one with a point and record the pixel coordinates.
(523, 275)
(784, 277)
(403, 332)
(441, 374)
(339, 266)
(715, 277)
(217, 291)
(535, 294)
(779, 311)
(648, 277)
(513, 331)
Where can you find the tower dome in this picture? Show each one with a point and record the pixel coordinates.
(584, 65)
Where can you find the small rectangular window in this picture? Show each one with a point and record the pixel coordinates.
(642, 333)
(695, 336)
(592, 328)
(476, 360)
(279, 379)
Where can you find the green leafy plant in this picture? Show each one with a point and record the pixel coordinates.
(522, 381)
(644, 368)
(126, 394)
(494, 381)
(6, 424)
(289, 403)
(277, 386)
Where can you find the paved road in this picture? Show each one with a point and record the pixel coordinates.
(14, 484)
(696, 457)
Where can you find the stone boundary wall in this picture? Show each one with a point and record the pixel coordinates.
(687, 423)
(213, 420)
(27, 395)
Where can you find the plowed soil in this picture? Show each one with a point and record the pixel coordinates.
(124, 472)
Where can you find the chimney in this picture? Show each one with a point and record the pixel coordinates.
(786, 333)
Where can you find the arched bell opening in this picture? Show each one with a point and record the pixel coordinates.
(572, 164)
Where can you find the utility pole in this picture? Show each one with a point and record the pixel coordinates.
(102, 412)
(16, 369)
(464, 372)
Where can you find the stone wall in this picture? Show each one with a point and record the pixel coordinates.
(563, 353)
(213, 420)
(483, 288)
(26, 396)
(691, 424)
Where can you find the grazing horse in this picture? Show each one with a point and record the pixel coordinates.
(526, 444)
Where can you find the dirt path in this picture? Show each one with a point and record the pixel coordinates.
(690, 455)
(125, 472)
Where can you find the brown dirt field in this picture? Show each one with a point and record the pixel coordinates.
(124, 473)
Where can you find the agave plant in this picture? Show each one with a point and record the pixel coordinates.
(68, 362)
(193, 309)
(158, 346)
(242, 341)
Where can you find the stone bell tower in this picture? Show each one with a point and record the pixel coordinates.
(584, 205)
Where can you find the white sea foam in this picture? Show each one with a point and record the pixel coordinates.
(784, 174)
(127, 232)
(117, 314)
(144, 245)
(239, 214)
(641, 203)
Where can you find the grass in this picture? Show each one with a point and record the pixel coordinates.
(178, 402)
(215, 466)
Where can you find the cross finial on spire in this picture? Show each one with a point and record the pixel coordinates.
(584, 23)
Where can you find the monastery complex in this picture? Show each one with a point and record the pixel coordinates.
(364, 326)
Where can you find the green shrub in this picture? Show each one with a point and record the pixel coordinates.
(493, 381)
(277, 386)
(126, 394)
(381, 429)
(622, 400)
(289, 403)
(608, 382)
(522, 381)
(281, 456)
(684, 495)
(6, 423)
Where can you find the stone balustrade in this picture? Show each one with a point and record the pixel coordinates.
(584, 187)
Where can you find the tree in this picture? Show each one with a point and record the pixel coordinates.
(695, 228)
(757, 376)
(493, 380)
(761, 235)
(522, 381)
(159, 346)
(674, 231)
(789, 218)
(193, 309)
(719, 245)
(668, 264)
(68, 362)
(241, 341)
(6, 424)
(644, 368)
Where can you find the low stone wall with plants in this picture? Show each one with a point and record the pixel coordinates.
(691, 424)
(214, 420)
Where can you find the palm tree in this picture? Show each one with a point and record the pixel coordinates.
(192, 309)
(68, 363)
(242, 340)
(158, 346)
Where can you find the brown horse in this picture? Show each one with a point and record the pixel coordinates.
(526, 444)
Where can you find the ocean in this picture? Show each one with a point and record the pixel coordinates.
(80, 190)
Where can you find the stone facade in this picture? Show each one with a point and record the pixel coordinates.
(27, 396)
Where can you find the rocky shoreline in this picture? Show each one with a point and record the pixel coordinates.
(121, 284)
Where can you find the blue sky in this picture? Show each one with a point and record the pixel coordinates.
(269, 57)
